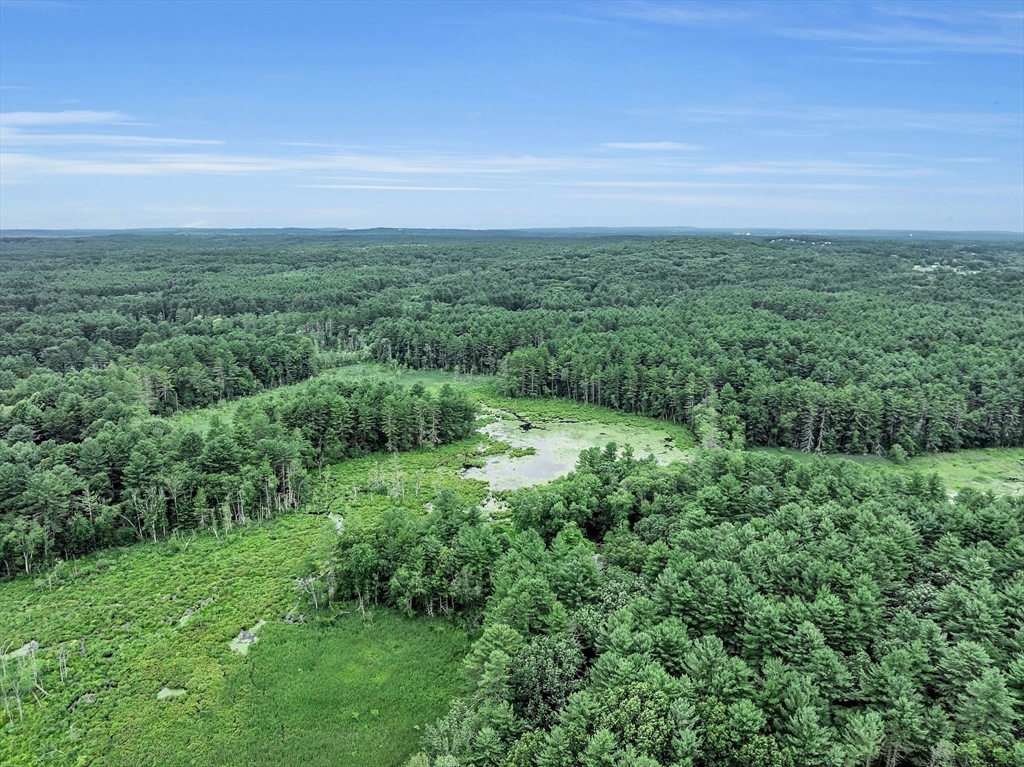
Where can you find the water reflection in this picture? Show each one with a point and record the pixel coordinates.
(557, 447)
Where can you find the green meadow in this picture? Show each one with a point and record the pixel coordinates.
(130, 623)
(996, 470)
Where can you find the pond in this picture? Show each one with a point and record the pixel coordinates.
(557, 445)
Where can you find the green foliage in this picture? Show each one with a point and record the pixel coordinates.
(741, 610)
(126, 623)
(543, 675)
(151, 475)
(852, 617)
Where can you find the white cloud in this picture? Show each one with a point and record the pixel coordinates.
(868, 118)
(904, 37)
(649, 184)
(31, 129)
(896, 27)
(401, 188)
(818, 168)
(730, 203)
(67, 117)
(649, 146)
(8, 137)
(196, 163)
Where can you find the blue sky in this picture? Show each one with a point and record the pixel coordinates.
(861, 115)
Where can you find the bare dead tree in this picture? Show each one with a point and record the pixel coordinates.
(308, 585)
(62, 662)
(36, 677)
(10, 687)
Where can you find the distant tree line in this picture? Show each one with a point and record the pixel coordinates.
(852, 346)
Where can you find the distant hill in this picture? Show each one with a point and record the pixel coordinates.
(566, 232)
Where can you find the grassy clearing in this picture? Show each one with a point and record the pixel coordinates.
(408, 377)
(566, 410)
(355, 693)
(1000, 470)
(361, 489)
(128, 607)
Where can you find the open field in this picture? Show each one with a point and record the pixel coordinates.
(999, 470)
(129, 609)
(351, 692)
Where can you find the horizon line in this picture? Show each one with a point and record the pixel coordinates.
(733, 230)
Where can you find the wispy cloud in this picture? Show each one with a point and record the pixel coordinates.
(412, 171)
(220, 164)
(867, 118)
(689, 14)
(699, 185)
(880, 26)
(402, 187)
(651, 146)
(440, 166)
(734, 203)
(908, 37)
(34, 129)
(818, 168)
(9, 137)
(885, 62)
(1003, 15)
(67, 117)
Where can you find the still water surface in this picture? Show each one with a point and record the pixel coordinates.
(558, 445)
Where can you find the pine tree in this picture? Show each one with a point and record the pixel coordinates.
(487, 749)
(807, 737)
(863, 737)
(600, 751)
(986, 708)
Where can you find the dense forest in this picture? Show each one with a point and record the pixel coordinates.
(854, 346)
(742, 611)
(120, 474)
(850, 346)
(746, 609)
